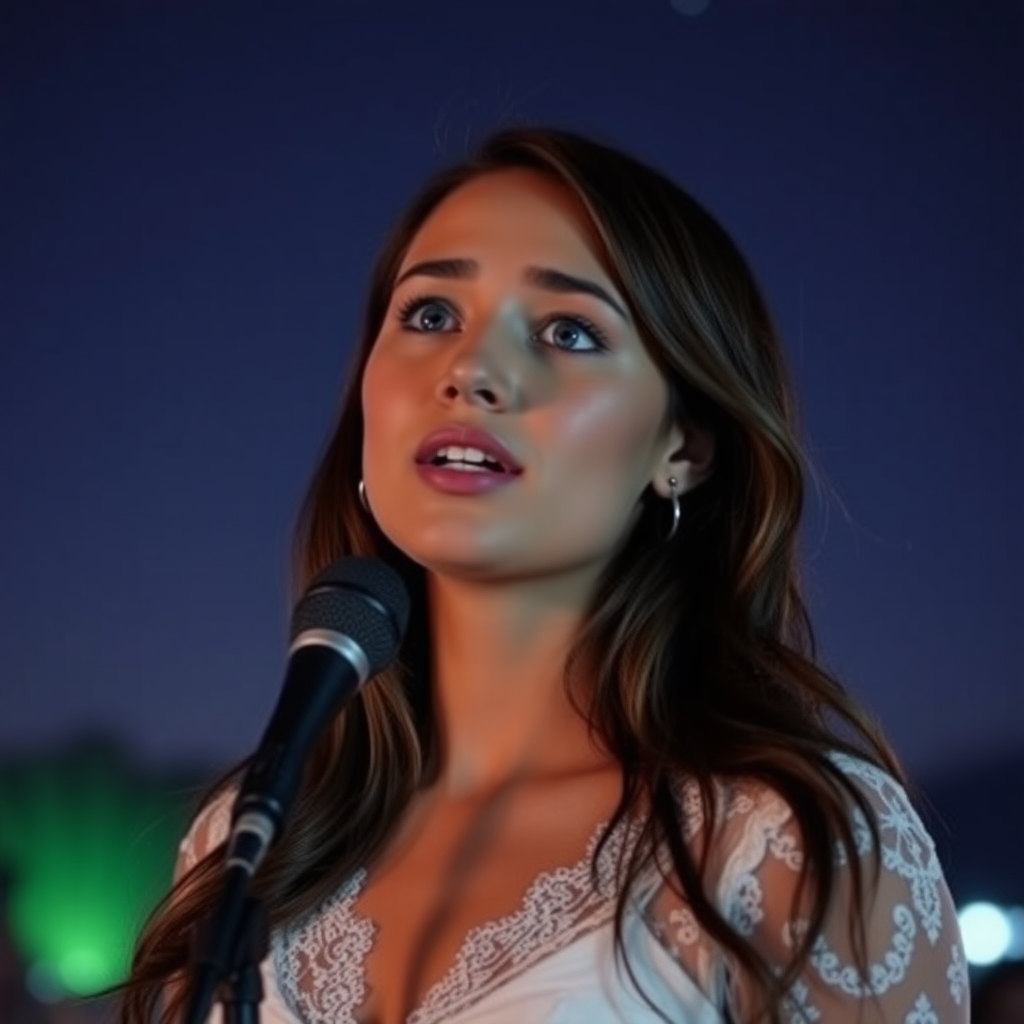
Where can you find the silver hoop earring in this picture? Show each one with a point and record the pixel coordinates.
(673, 483)
(362, 496)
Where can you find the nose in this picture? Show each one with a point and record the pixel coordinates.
(487, 367)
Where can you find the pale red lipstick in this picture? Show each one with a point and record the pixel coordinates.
(467, 437)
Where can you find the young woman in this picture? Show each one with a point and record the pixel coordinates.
(605, 780)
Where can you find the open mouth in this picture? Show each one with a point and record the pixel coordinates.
(487, 465)
(466, 460)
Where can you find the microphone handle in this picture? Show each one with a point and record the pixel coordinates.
(320, 679)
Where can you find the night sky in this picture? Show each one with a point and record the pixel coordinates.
(190, 198)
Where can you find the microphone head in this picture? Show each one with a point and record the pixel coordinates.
(361, 598)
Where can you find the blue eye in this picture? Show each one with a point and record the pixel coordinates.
(426, 314)
(568, 330)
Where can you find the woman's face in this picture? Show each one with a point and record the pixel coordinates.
(504, 319)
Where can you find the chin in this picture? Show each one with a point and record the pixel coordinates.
(457, 558)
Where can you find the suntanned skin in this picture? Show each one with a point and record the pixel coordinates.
(522, 785)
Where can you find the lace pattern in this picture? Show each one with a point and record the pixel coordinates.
(916, 970)
(558, 908)
(320, 961)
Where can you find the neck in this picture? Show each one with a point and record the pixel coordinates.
(499, 684)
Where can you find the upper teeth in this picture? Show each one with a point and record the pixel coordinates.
(453, 453)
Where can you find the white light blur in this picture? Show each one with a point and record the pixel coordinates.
(987, 932)
(1015, 951)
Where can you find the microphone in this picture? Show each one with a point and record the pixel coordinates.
(347, 627)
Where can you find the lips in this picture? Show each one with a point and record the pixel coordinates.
(467, 437)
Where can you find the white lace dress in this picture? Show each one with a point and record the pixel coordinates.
(553, 961)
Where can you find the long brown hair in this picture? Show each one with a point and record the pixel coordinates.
(705, 650)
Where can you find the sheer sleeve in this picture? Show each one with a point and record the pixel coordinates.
(209, 829)
(916, 970)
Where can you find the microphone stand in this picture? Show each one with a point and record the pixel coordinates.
(231, 940)
(229, 969)
(244, 982)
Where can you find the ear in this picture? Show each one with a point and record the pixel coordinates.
(688, 455)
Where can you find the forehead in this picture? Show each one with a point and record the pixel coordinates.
(516, 214)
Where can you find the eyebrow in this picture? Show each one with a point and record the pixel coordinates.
(547, 278)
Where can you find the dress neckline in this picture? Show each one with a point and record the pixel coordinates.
(321, 959)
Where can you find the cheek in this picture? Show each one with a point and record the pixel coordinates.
(383, 400)
(608, 430)
(375, 376)
(371, 406)
(380, 419)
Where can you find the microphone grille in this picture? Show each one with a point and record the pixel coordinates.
(362, 598)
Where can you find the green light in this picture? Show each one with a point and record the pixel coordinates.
(90, 844)
(84, 969)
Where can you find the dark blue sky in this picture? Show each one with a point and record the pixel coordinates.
(190, 197)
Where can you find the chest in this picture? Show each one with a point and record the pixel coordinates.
(462, 904)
